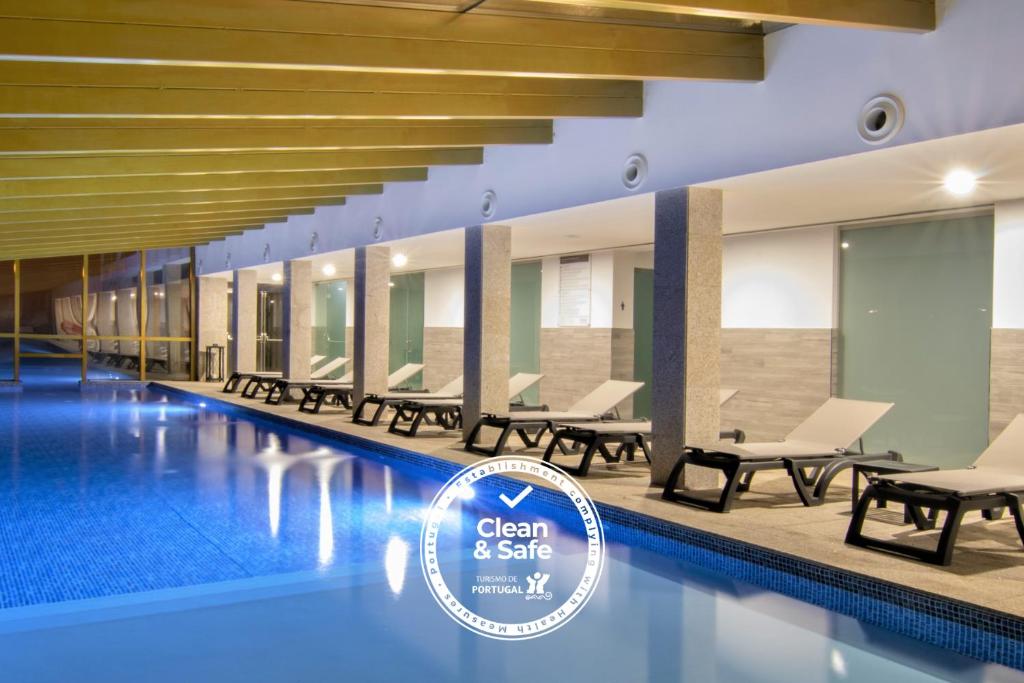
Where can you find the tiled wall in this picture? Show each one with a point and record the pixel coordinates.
(782, 375)
(574, 361)
(622, 363)
(1006, 392)
(442, 355)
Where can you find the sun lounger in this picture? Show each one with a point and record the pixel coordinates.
(315, 393)
(530, 425)
(994, 482)
(813, 454)
(595, 437)
(452, 390)
(447, 413)
(236, 377)
(276, 383)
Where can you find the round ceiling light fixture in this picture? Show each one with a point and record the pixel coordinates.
(960, 182)
(399, 260)
(488, 204)
(276, 277)
(634, 171)
(328, 269)
(881, 119)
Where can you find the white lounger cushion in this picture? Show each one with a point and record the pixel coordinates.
(830, 429)
(517, 384)
(635, 427)
(604, 399)
(520, 382)
(328, 367)
(1000, 467)
(316, 359)
(451, 390)
(403, 374)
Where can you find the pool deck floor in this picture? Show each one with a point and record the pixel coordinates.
(987, 568)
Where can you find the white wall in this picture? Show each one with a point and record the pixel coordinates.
(1008, 266)
(776, 279)
(444, 297)
(695, 132)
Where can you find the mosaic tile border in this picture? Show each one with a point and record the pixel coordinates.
(971, 630)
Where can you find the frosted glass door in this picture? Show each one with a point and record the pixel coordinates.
(915, 328)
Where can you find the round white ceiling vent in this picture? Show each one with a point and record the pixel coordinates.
(634, 172)
(881, 119)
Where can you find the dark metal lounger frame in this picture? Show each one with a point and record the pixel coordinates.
(409, 415)
(596, 441)
(382, 403)
(529, 432)
(314, 398)
(811, 486)
(231, 385)
(917, 499)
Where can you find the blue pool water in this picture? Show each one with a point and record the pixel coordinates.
(144, 537)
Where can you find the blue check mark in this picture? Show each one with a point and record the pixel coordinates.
(512, 502)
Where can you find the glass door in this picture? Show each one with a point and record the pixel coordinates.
(524, 343)
(643, 338)
(270, 329)
(406, 344)
(915, 328)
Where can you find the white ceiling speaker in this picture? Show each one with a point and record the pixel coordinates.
(488, 204)
(314, 243)
(881, 119)
(634, 171)
(266, 252)
(378, 228)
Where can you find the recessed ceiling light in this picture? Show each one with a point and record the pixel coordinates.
(399, 260)
(960, 182)
(845, 245)
(276, 277)
(328, 269)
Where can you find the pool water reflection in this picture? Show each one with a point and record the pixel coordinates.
(125, 492)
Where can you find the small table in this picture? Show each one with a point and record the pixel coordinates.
(882, 467)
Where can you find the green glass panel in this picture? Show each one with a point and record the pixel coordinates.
(524, 349)
(915, 324)
(643, 338)
(406, 345)
(329, 321)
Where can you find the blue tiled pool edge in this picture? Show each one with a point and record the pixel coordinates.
(971, 630)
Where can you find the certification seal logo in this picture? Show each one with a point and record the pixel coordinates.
(501, 571)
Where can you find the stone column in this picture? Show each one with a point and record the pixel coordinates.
(212, 317)
(243, 321)
(371, 331)
(687, 323)
(298, 318)
(487, 312)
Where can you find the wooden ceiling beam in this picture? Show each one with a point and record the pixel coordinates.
(169, 223)
(323, 36)
(901, 15)
(261, 162)
(122, 246)
(42, 141)
(315, 196)
(64, 187)
(143, 212)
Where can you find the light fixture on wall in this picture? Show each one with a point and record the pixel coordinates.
(276, 277)
(329, 270)
(634, 171)
(488, 204)
(880, 119)
(399, 260)
(960, 182)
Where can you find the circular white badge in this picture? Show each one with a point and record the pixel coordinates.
(525, 548)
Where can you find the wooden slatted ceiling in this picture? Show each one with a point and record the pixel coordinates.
(145, 123)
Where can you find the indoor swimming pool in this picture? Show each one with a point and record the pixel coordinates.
(148, 536)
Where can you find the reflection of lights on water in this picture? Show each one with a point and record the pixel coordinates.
(326, 549)
(202, 404)
(396, 558)
(388, 491)
(838, 663)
